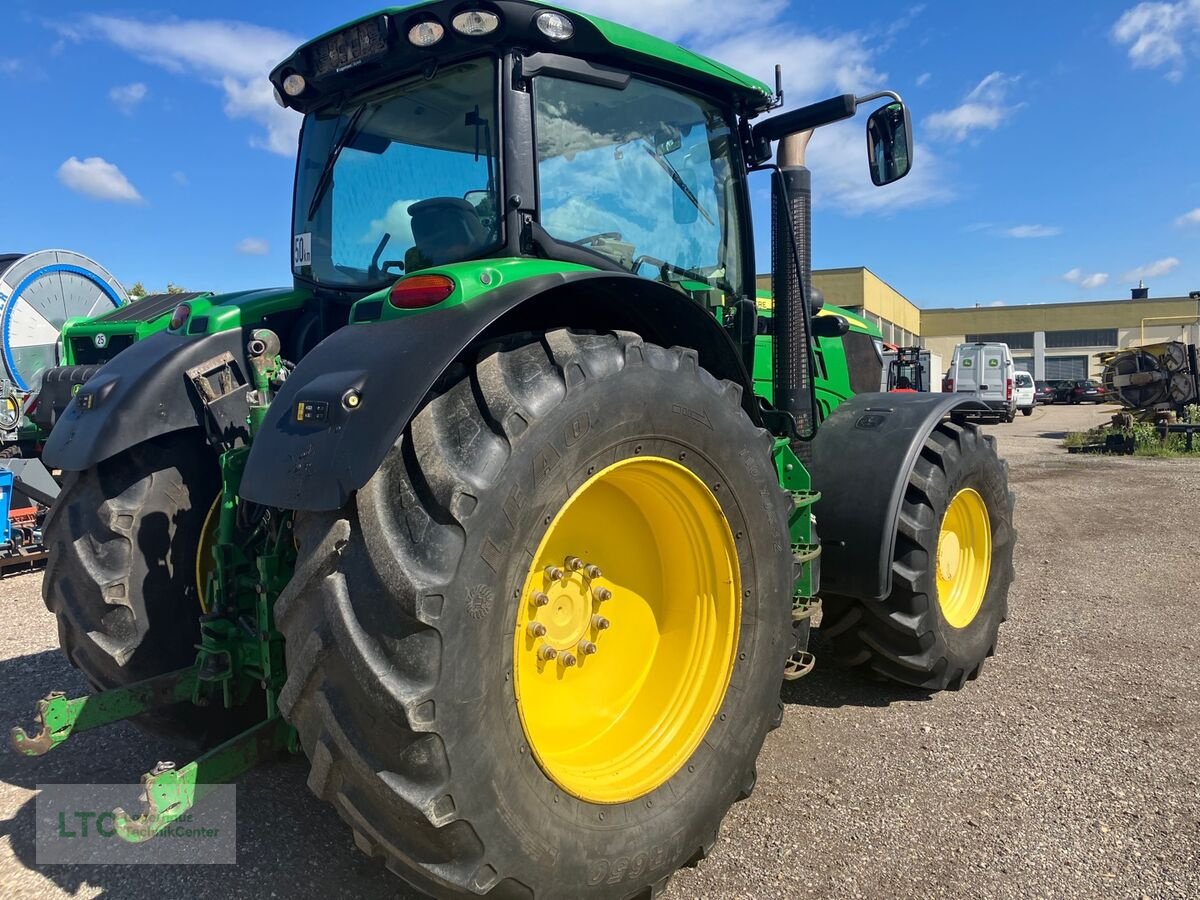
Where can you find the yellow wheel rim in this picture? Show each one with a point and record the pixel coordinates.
(964, 558)
(627, 630)
(205, 564)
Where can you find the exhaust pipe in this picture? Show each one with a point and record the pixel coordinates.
(791, 286)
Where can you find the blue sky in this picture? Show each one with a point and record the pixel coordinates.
(1056, 142)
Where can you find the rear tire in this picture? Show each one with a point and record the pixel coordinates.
(400, 622)
(121, 574)
(1027, 411)
(907, 637)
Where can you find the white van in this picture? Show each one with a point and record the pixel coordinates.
(986, 372)
(1024, 392)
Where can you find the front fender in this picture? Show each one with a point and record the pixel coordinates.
(862, 457)
(313, 451)
(142, 393)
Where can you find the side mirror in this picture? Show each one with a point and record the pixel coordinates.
(829, 326)
(889, 143)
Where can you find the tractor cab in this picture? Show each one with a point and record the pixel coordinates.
(433, 137)
(436, 136)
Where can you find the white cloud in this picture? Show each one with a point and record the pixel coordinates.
(253, 247)
(1157, 33)
(923, 79)
(98, 178)
(984, 108)
(234, 56)
(180, 178)
(9, 66)
(1151, 270)
(1084, 280)
(1033, 231)
(997, 303)
(128, 96)
(1189, 218)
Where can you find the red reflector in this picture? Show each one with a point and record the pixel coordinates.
(419, 291)
(180, 316)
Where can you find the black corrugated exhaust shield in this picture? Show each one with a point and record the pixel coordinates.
(791, 261)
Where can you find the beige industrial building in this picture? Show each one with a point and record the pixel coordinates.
(1053, 341)
(1057, 341)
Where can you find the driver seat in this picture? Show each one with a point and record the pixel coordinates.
(445, 229)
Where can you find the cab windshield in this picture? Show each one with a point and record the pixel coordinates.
(642, 175)
(399, 183)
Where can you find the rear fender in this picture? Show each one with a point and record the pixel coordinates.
(862, 457)
(145, 392)
(314, 450)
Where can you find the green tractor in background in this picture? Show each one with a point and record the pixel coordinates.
(504, 512)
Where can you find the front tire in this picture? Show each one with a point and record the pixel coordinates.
(408, 625)
(934, 631)
(123, 538)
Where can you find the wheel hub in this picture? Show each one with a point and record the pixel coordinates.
(565, 613)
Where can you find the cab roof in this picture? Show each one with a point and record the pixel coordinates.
(596, 39)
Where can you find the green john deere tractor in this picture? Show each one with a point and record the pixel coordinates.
(505, 514)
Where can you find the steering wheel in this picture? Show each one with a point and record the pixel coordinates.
(593, 238)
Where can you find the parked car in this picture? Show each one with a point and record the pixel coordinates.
(1043, 392)
(1079, 391)
(1024, 392)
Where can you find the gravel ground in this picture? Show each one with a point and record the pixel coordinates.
(1070, 769)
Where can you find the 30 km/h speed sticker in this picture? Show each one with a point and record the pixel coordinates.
(302, 250)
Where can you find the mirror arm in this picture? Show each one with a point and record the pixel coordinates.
(878, 95)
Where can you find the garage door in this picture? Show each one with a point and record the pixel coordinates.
(1066, 368)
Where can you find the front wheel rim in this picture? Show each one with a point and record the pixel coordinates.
(626, 630)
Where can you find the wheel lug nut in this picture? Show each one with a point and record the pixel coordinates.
(546, 653)
(592, 571)
(536, 629)
(600, 623)
(567, 659)
(574, 563)
(601, 594)
(554, 573)
(540, 598)
(587, 648)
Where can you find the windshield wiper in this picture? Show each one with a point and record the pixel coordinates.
(326, 176)
(678, 179)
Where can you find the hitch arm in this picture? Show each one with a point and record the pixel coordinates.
(58, 718)
(169, 793)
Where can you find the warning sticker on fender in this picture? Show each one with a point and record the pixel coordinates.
(302, 250)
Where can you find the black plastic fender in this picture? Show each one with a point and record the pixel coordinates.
(317, 445)
(141, 393)
(861, 460)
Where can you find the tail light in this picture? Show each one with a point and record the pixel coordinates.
(1008, 389)
(420, 291)
(949, 385)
